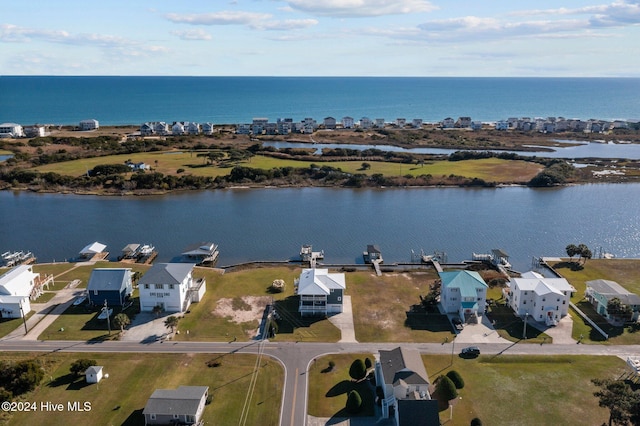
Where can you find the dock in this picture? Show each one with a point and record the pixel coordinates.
(11, 259)
(202, 254)
(308, 255)
(376, 265)
(137, 253)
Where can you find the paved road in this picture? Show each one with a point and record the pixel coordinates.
(298, 357)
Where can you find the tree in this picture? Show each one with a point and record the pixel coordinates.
(121, 321)
(456, 378)
(367, 363)
(572, 250)
(476, 422)
(446, 389)
(616, 308)
(79, 366)
(584, 252)
(354, 402)
(171, 322)
(357, 371)
(365, 166)
(619, 398)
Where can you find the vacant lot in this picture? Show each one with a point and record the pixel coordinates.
(120, 398)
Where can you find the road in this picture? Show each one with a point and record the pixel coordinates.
(298, 357)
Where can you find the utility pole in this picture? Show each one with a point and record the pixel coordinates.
(524, 331)
(24, 319)
(106, 310)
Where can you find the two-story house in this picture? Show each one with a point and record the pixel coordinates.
(170, 286)
(464, 293)
(321, 292)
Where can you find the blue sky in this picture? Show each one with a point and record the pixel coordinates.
(321, 38)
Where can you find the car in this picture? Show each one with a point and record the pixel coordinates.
(470, 352)
(457, 323)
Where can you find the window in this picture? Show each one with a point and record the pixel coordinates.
(564, 302)
(152, 416)
(95, 292)
(146, 286)
(167, 294)
(158, 286)
(339, 299)
(544, 299)
(152, 294)
(171, 286)
(524, 302)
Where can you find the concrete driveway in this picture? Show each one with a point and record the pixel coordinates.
(146, 327)
(482, 332)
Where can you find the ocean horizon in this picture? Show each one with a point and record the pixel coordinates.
(132, 100)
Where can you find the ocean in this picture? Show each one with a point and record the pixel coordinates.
(230, 100)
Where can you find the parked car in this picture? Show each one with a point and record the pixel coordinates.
(457, 323)
(470, 352)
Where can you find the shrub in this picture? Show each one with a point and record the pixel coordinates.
(354, 402)
(476, 422)
(367, 363)
(79, 366)
(446, 389)
(357, 371)
(456, 378)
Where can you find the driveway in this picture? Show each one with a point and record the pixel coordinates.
(482, 332)
(344, 321)
(146, 327)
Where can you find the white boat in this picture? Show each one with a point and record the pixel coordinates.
(79, 300)
(146, 250)
(104, 314)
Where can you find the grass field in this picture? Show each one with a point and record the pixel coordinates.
(240, 288)
(491, 169)
(500, 390)
(120, 398)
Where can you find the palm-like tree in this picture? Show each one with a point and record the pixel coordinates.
(121, 320)
(171, 322)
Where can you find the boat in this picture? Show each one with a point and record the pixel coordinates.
(103, 315)
(202, 254)
(15, 258)
(145, 250)
(79, 300)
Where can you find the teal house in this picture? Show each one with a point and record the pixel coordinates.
(464, 293)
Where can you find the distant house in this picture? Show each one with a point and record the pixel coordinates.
(208, 128)
(379, 123)
(11, 130)
(416, 123)
(193, 128)
(347, 122)
(258, 125)
(90, 124)
(309, 125)
(178, 129)
(93, 374)
(17, 287)
(542, 299)
(365, 123)
(161, 128)
(147, 129)
(170, 286)
(285, 125)
(463, 293)
(448, 123)
(329, 123)
(401, 375)
(600, 292)
(401, 122)
(139, 166)
(243, 129)
(502, 125)
(476, 125)
(184, 405)
(463, 122)
(112, 285)
(35, 131)
(320, 292)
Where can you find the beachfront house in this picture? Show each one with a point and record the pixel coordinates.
(193, 128)
(600, 292)
(35, 131)
(285, 125)
(401, 122)
(365, 123)
(329, 123)
(208, 128)
(448, 123)
(11, 130)
(542, 299)
(90, 124)
(463, 293)
(182, 406)
(402, 377)
(416, 123)
(18, 286)
(379, 123)
(309, 125)
(463, 122)
(171, 286)
(178, 129)
(320, 292)
(347, 122)
(502, 125)
(161, 128)
(147, 129)
(113, 285)
(476, 125)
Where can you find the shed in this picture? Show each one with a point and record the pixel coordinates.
(93, 374)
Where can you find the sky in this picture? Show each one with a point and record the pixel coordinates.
(466, 38)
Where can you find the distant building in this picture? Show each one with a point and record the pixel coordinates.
(11, 130)
(401, 122)
(35, 131)
(329, 123)
(365, 123)
(448, 123)
(320, 292)
(416, 123)
(347, 122)
(379, 123)
(182, 406)
(502, 125)
(600, 293)
(208, 128)
(193, 128)
(463, 122)
(90, 124)
(170, 286)
(463, 293)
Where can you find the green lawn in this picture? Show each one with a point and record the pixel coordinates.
(490, 169)
(45, 297)
(328, 389)
(623, 271)
(205, 321)
(83, 273)
(8, 325)
(511, 327)
(120, 398)
(526, 390)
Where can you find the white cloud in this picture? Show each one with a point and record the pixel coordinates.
(256, 21)
(17, 34)
(360, 8)
(619, 13)
(198, 34)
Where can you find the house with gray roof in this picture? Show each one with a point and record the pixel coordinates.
(600, 292)
(110, 284)
(170, 286)
(401, 375)
(184, 405)
(320, 292)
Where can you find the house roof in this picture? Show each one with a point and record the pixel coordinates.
(201, 249)
(167, 273)
(93, 248)
(373, 248)
(403, 365)
(319, 282)
(611, 289)
(535, 278)
(109, 279)
(418, 412)
(94, 369)
(130, 248)
(184, 401)
(17, 281)
(466, 281)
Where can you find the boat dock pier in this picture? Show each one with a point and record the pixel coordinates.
(308, 255)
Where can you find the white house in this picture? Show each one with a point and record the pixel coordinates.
(17, 287)
(161, 128)
(401, 375)
(540, 298)
(208, 128)
(448, 123)
(463, 122)
(464, 293)
(502, 125)
(178, 129)
(93, 374)
(170, 286)
(35, 131)
(320, 292)
(379, 123)
(193, 128)
(416, 123)
(147, 129)
(347, 122)
(401, 122)
(11, 130)
(329, 123)
(366, 123)
(90, 124)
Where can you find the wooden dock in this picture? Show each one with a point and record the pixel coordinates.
(376, 265)
(436, 265)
